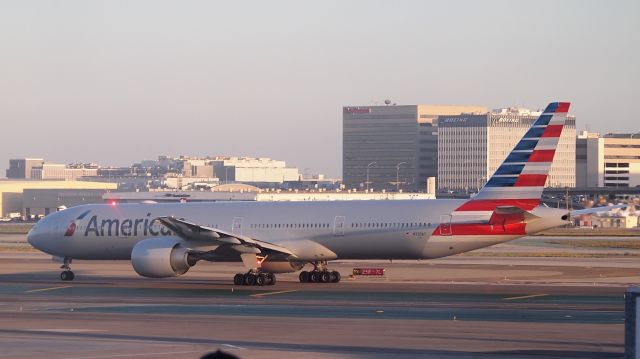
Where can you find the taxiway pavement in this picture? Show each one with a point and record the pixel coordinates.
(454, 307)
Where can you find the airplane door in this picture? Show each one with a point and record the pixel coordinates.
(236, 227)
(338, 226)
(445, 225)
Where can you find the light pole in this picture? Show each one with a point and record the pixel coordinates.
(369, 166)
(398, 175)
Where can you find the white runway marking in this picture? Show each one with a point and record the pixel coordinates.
(273, 293)
(47, 289)
(157, 354)
(233, 346)
(68, 330)
(526, 296)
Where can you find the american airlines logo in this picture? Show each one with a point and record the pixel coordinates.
(71, 229)
(124, 227)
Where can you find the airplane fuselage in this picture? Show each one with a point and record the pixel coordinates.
(404, 229)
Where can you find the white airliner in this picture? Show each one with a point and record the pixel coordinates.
(165, 240)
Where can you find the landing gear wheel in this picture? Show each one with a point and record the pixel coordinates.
(238, 279)
(261, 279)
(304, 276)
(314, 276)
(325, 277)
(335, 277)
(271, 279)
(67, 275)
(320, 274)
(250, 279)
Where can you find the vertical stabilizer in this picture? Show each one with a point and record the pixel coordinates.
(520, 179)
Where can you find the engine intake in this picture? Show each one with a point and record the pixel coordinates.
(161, 257)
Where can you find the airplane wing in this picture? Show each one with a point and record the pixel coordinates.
(191, 231)
(596, 209)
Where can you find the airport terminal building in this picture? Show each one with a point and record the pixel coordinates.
(471, 147)
(611, 160)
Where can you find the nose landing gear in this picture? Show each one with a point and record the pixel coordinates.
(67, 274)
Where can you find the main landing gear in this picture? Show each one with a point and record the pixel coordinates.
(66, 274)
(254, 278)
(319, 274)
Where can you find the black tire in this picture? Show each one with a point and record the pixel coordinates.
(325, 277)
(250, 279)
(335, 276)
(238, 279)
(271, 279)
(261, 279)
(304, 277)
(67, 275)
(314, 276)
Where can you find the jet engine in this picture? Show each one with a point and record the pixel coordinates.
(281, 266)
(161, 257)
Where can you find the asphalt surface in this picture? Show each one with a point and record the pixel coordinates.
(456, 307)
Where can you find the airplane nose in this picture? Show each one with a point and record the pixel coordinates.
(37, 235)
(32, 236)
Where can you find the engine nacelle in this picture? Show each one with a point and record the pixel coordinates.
(161, 257)
(281, 266)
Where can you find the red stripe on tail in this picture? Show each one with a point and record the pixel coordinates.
(480, 229)
(530, 181)
(552, 131)
(491, 204)
(563, 107)
(542, 156)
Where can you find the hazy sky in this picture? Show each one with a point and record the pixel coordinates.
(118, 81)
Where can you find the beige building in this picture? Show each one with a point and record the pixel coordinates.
(253, 170)
(20, 168)
(611, 160)
(472, 146)
(615, 221)
(54, 171)
(11, 191)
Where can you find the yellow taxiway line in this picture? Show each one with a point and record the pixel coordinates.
(47, 289)
(273, 293)
(526, 296)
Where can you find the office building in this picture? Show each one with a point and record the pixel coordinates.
(472, 146)
(611, 160)
(54, 171)
(20, 168)
(390, 147)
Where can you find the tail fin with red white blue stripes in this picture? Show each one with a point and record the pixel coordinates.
(520, 179)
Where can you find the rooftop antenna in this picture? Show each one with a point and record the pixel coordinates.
(387, 102)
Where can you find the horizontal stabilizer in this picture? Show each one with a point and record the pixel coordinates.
(597, 209)
(504, 215)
